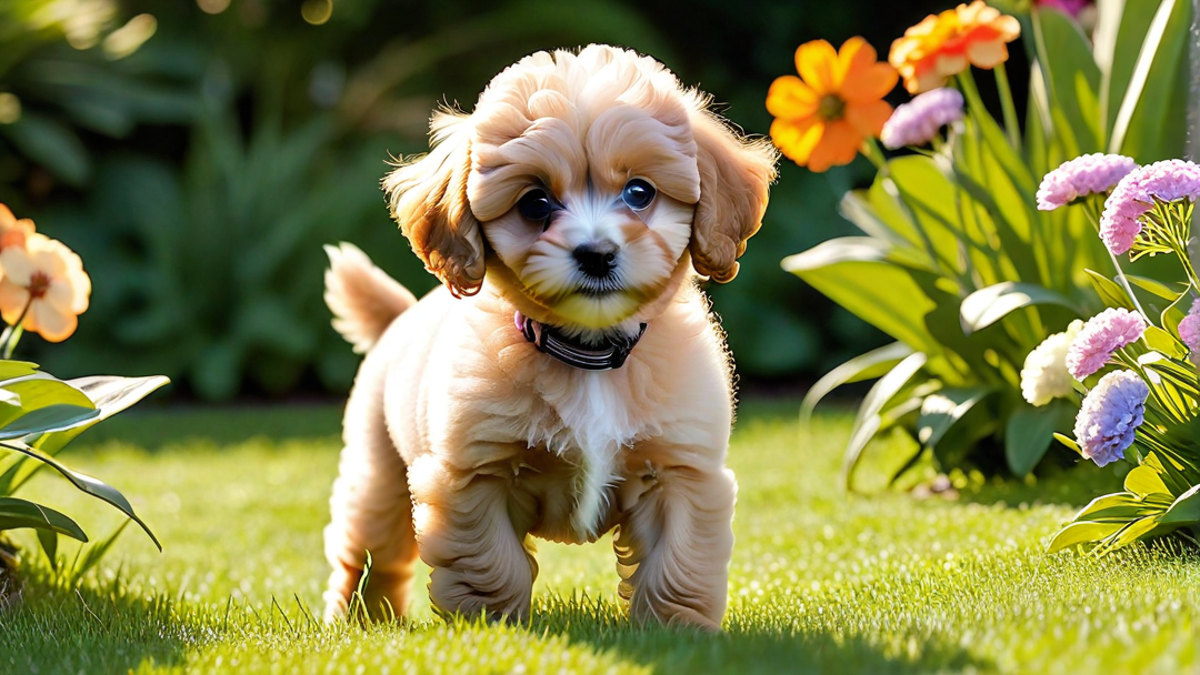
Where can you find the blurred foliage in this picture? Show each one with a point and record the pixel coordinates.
(197, 155)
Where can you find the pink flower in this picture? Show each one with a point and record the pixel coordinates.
(1167, 181)
(1189, 328)
(1085, 175)
(917, 122)
(1103, 334)
(1068, 7)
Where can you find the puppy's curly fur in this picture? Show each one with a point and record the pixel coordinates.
(462, 441)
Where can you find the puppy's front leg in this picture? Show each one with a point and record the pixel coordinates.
(675, 537)
(471, 528)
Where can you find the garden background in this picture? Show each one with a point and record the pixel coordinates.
(198, 160)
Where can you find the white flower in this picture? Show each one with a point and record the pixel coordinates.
(1045, 376)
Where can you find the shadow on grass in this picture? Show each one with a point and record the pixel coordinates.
(740, 649)
(1073, 485)
(54, 629)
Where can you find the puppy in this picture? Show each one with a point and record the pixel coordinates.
(567, 379)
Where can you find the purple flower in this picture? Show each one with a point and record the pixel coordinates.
(1085, 175)
(918, 121)
(1167, 181)
(1102, 335)
(1189, 327)
(1109, 416)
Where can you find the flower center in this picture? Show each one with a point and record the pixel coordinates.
(831, 108)
(39, 283)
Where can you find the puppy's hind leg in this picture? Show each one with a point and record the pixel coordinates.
(370, 509)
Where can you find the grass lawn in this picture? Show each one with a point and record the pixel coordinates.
(820, 582)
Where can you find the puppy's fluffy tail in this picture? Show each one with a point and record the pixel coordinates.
(363, 298)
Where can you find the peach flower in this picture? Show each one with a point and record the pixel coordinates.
(13, 232)
(946, 44)
(44, 287)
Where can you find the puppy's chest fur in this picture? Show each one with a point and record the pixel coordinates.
(588, 424)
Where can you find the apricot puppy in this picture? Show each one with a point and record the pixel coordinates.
(567, 379)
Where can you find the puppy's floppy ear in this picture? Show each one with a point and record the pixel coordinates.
(428, 196)
(735, 173)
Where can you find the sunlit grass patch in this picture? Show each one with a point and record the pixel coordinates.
(821, 581)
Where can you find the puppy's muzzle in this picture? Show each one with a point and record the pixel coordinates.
(596, 260)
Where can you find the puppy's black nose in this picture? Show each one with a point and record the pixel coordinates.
(596, 259)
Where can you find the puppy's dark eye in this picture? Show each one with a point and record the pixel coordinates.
(638, 194)
(535, 205)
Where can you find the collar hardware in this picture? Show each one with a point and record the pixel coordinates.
(609, 355)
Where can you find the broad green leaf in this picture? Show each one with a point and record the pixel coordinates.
(90, 555)
(941, 410)
(87, 484)
(1162, 341)
(1110, 293)
(52, 145)
(1144, 480)
(1121, 27)
(1172, 315)
(110, 394)
(924, 189)
(1150, 102)
(868, 421)
(1081, 533)
(10, 370)
(1131, 532)
(874, 363)
(1185, 510)
(859, 274)
(1029, 433)
(1072, 80)
(18, 513)
(1156, 287)
(56, 417)
(988, 305)
(36, 391)
(49, 541)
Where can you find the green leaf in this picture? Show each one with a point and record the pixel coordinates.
(1110, 293)
(1029, 432)
(1173, 314)
(1144, 480)
(1068, 441)
(942, 409)
(94, 553)
(874, 363)
(1150, 103)
(1081, 533)
(52, 145)
(87, 484)
(18, 513)
(1120, 30)
(1072, 81)
(1156, 287)
(860, 274)
(1162, 341)
(988, 305)
(49, 541)
(1185, 510)
(36, 391)
(868, 421)
(56, 417)
(110, 394)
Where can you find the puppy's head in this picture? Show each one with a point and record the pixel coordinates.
(583, 185)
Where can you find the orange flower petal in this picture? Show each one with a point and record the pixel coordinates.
(796, 139)
(855, 56)
(48, 322)
(870, 83)
(816, 62)
(868, 118)
(12, 300)
(838, 146)
(790, 98)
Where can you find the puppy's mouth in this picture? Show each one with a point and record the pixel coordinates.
(598, 288)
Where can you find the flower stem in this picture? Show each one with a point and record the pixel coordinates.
(12, 334)
(873, 152)
(1089, 207)
(1008, 107)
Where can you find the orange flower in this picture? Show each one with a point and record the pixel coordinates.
(944, 45)
(823, 116)
(43, 281)
(12, 231)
